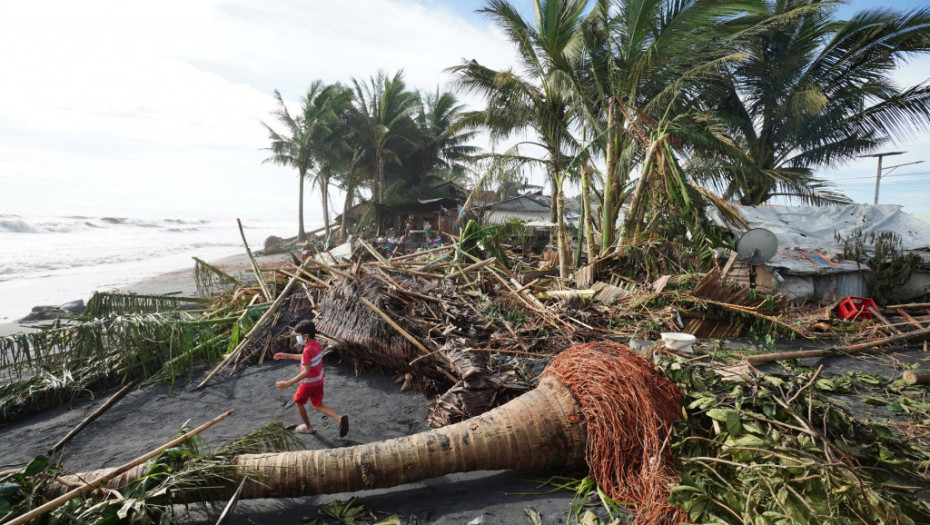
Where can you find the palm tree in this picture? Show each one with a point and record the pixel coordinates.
(306, 135)
(383, 110)
(443, 148)
(639, 70)
(330, 144)
(536, 100)
(291, 148)
(813, 92)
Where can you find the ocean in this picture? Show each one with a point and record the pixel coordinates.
(55, 258)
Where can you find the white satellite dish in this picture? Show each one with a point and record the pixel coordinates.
(756, 246)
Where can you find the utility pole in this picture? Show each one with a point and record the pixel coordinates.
(878, 173)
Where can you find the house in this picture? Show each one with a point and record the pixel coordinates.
(809, 264)
(441, 211)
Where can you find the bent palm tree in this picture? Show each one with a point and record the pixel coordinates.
(538, 100)
(599, 403)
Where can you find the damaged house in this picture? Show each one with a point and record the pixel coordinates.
(809, 265)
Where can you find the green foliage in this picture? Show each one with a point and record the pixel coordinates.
(49, 367)
(482, 242)
(772, 450)
(148, 500)
(884, 255)
(102, 304)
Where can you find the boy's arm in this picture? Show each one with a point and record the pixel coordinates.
(304, 372)
(285, 355)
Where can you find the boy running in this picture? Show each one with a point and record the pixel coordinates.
(311, 379)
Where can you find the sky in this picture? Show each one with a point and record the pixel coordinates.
(158, 105)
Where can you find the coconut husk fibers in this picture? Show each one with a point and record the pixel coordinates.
(629, 408)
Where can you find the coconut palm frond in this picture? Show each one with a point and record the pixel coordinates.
(103, 303)
(45, 368)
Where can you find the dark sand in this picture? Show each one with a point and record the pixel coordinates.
(149, 417)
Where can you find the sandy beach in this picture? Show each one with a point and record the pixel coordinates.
(149, 417)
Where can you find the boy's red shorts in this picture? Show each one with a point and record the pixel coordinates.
(311, 391)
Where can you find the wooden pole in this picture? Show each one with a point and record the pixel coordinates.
(269, 296)
(113, 399)
(827, 352)
(61, 500)
(473, 267)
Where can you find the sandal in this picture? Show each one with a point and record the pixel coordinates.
(302, 429)
(343, 426)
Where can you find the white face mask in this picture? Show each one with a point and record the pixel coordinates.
(301, 340)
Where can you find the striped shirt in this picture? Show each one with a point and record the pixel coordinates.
(313, 360)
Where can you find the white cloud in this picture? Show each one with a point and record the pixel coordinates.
(157, 105)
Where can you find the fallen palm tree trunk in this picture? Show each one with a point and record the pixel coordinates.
(598, 404)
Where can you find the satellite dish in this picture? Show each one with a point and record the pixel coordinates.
(756, 246)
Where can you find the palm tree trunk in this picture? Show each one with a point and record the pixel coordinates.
(560, 229)
(301, 234)
(324, 193)
(350, 197)
(541, 430)
(611, 184)
(587, 223)
(380, 189)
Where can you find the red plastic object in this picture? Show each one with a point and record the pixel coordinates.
(855, 307)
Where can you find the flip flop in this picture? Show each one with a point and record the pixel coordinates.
(343, 426)
(302, 429)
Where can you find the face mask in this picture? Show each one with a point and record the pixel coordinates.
(301, 340)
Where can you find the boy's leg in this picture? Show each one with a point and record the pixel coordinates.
(343, 420)
(302, 412)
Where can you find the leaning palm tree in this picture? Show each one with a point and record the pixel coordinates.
(536, 98)
(815, 91)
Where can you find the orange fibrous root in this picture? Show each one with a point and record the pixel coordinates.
(629, 407)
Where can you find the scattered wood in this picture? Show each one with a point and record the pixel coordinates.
(920, 377)
(849, 349)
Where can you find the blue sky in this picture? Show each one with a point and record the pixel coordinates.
(157, 105)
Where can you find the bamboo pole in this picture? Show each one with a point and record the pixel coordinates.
(113, 399)
(829, 352)
(61, 500)
(473, 267)
(374, 252)
(417, 254)
(269, 313)
(269, 296)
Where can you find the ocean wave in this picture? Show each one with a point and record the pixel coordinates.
(16, 226)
